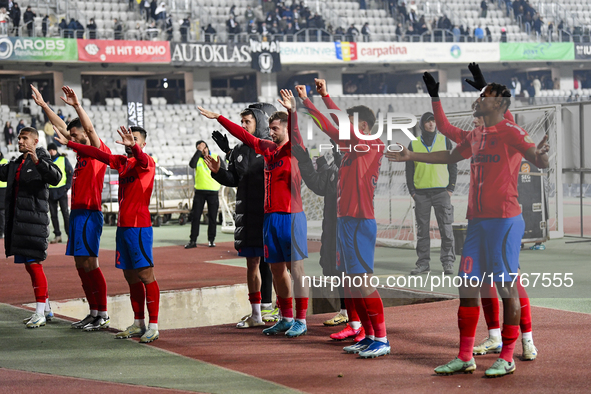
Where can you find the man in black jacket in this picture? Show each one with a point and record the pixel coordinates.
(27, 222)
(431, 185)
(59, 194)
(246, 172)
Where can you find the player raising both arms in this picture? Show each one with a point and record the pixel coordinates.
(490, 302)
(86, 218)
(495, 224)
(285, 222)
(357, 228)
(134, 226)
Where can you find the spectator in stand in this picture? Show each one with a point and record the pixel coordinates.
(186, 26)
(550, 31)
(79, 30)
(399, 30)
(484, 8)
(456, 32)
(479, 34)
(168, 29)
(531, 92)
(21, 125)
(72, 28)
(45, 25)
(556, 84)
(264, 30)
(503, 35)
(508, 7)
(15, 15)
(118, 29)
(537, 24)
(19, 97)
(249, 14)
(153, 7)
(161, 12)
(8, 133)
(152, 31)
(287, 15)
(366, 32)
(233, 11)
(29, 19)
(339, 33)
(362, 5)
(232, 27)
(488, 34)
(402, 10)
(131, 5)
(537, 84)
(147, 9)
(252, 28)
(352, 33)
(91, 29)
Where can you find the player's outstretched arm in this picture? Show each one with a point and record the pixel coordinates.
(539, 155)
(479, 82)
(72, 100)
(86, 150)
(321, 121)
(440, 157)
(128, 140)
(233, 129)
(53, 118)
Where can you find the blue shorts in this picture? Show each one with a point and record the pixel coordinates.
(356, 245)
(134, 248)
(250, 251)
(19, 259)
(285, 237)
(86, 227)
(492, 245)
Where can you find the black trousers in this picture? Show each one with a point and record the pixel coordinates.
(2, 222)
(266, 282)
(63, 203)
(213, 204)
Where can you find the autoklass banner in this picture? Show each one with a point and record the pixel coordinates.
(207, 55)
(38, 49)
(583, 51)
(526, 51)
(119, 51)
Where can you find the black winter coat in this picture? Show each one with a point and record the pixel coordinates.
(27, 224)
(246, 172)
(323, 182)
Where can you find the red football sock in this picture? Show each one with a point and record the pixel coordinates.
(490, 306)
(137, 294)
(99, 288)
(255, 298)
(88, 288)
(510, 335)
(363, 315)
(467, 322)
(375, 310)
(525, 321)
(153, 301)
(39, 281)
(350, 305)
(286, 306)
(301, 308)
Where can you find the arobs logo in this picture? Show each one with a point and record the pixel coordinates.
(346, 51)
(393, 121)
(5, 48)
(8, 48)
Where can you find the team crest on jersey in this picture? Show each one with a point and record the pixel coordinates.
(528, 139)
(492, 143)
(239, 159)
(374, 181)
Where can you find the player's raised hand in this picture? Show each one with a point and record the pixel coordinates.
(543, 146)
(71, 98)
(321, 87)
(37, 96)
(432, 84)
(61, 138)
(301, 89)
(479, 82)
(213, 163)
(126, 135)
(401, 155)
(208, 114)
(221, 140)
(287, 100)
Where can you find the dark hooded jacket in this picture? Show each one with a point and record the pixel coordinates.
(246, 172)
(27, 204)
(323, 182)
(427, 138)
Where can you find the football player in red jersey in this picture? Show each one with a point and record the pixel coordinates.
(356, 224)
(495, 224)
(86, 218)
(285, 224)
(134, 226)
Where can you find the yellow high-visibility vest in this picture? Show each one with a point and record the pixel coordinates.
(427, 175)
(203, 179)
(61, 163)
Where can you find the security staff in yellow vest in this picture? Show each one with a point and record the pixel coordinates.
(2, 197)
(206, 189)
(59, 194)
(431, 185)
